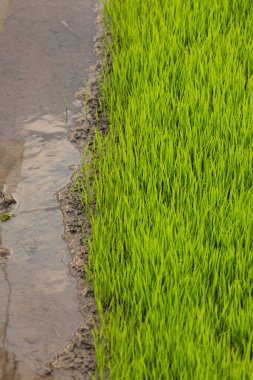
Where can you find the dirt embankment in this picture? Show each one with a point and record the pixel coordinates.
(78, 357)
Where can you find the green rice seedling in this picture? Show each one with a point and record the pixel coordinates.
(171, 252)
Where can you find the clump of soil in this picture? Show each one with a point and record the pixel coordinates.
(7, 206)
(4, 252)
(7, 203)
(77, 360)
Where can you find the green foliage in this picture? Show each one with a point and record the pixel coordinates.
(172, 234)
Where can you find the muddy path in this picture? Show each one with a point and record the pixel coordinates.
(46, 49)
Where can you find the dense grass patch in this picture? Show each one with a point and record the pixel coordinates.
(172, 235)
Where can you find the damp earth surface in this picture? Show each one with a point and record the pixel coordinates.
(46, 48)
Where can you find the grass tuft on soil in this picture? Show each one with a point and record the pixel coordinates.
(171, 252)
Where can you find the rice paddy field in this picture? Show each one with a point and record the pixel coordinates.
(171, 251)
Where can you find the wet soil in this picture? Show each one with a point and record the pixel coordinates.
(44, 48)
(7, 206)
(79, 355)
(7, 203)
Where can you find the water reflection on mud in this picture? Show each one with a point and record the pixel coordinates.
(10, 367)
(11, 157)
(38, 294)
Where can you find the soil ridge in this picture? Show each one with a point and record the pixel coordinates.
(78, 358)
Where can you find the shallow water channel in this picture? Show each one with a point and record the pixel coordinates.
(46, 48)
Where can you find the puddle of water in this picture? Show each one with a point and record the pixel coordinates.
(45, 48)
(11, 157)
(43, 307)
(10, 367)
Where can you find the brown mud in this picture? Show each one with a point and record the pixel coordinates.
(45, 49)
(77, 360)
(79, 356)
(8, 203)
